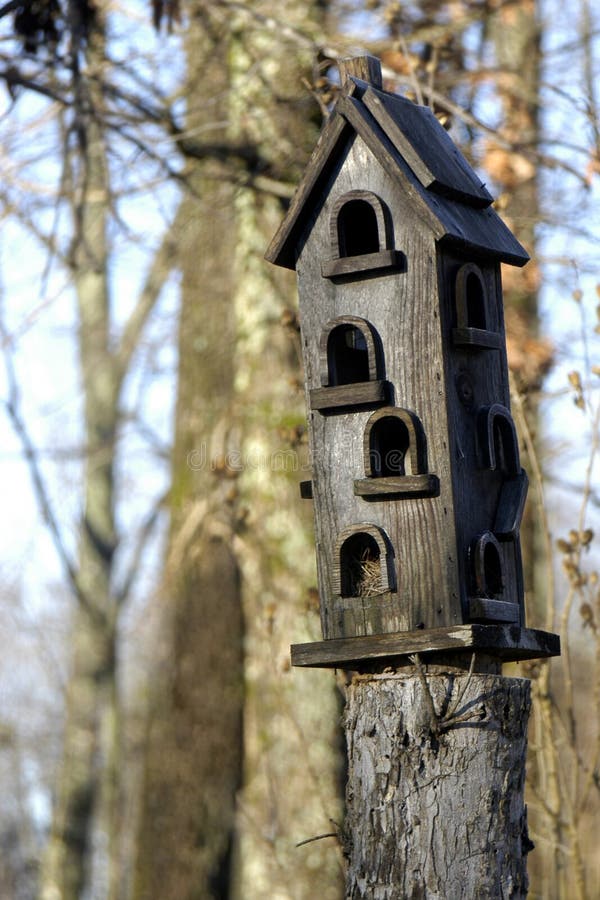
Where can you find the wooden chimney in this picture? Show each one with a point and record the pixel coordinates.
(417, 485)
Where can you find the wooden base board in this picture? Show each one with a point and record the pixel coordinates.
(508, 642)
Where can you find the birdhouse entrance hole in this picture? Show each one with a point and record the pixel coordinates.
(505, 446)
(489, 583)
(363, 562)
(498, 439)
(389, 447)
(395, 456)
(360, 565)
(360, 233)
(357, 229)
(351, 366)
(488, 565)
(475, 300)
(347, 356)
(473, 314)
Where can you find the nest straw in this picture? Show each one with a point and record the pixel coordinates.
(365, 574)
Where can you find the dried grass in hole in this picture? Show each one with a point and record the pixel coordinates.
(364, 573)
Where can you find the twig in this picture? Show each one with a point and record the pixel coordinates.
(449, 722)
(146, 529)
(318, 837)
(162, 264)
(461, 694)
(13, 409)
(414, 81)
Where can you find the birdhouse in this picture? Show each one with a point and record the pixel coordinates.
(417, 484)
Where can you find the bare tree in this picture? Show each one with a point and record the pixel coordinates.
(87, 780)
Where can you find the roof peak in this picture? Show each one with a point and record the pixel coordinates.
(414, 149)
(366, 68)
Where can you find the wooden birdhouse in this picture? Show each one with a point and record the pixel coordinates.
(417, 485)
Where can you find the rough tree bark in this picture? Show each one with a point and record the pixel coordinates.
(88, 780)
(234, 359)
(435, 786)
(194, 756)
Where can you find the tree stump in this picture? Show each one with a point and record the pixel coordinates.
(435, 792)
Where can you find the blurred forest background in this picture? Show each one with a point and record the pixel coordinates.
(156, 559)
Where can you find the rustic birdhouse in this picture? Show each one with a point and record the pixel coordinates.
(417, 485)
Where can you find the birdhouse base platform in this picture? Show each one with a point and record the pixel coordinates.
(508, 643)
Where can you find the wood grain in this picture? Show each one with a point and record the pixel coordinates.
(398, 486)
(436, 351)
(476, 337)
(366, 262)
(509, 642)
(403, 309)
(361, 393)
(366, 67)
(485, 609)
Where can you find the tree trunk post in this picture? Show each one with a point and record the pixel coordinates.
(435, 791)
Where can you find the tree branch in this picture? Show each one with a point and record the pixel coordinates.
(46, 240)
(13, 409)
(156, 277)
(13, 78)
(123, 592)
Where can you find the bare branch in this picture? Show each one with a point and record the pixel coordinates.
(162, 264)
(443, 102)
(280, 27)
(9, 7)
(318, 837)
(13, 78)
(123, 593)
(13, 409)
(589, 74)
(46, 240)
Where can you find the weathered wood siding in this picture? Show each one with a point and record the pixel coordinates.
(475, 378)
(403, 307)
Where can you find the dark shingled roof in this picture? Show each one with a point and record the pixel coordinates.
(412, 146)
